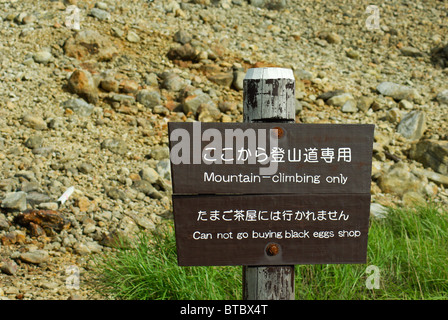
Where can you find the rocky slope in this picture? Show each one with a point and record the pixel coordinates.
(88, 108)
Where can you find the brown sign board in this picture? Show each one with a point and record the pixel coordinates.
(312, 207)
(304, 229)
(307, 158)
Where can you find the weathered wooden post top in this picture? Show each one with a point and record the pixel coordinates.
(269, 95)
(269, 193)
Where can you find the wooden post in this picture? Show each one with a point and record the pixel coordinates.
(269, 97)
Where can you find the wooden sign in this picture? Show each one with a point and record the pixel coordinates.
(270, 193)
(283, 229)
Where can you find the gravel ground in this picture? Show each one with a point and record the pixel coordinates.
(88, 109)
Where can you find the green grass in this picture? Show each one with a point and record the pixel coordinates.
(409, 248)
(149, 271)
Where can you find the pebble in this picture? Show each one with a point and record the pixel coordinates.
(413, 125)
(79, 106)
(15, 201)
(193, 98)
(399, 179)
(132, 37)
(100, 14)
(442, 97)
(224, 79)
(349, 106)
(182, 37)
(34, 121)
(90, 44)
(339, 100)
(148, 98)
(82, 83)
(9, 267)
(35, 256)
(397, 91)
(149, 174)
(43, 57)
(431, 153)
(411, 52)
(117, 146)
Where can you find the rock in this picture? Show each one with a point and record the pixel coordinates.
(35, 256)
(330, 94)
(85, 168)
(224, 79)
(82, 83)
(413, 125)
(13, 237)
(4, 224)
(238, 79)
(43, 57)
(353, 54)
(193, 98)
(333, 38)
(34, 121)
(227, 106)
(109, 85)
(90, 44)
(9, 267)
(14, 201)
(364, 103)
(208, 113)
(147, 188)
(172, 82)
(81, 249)
(405, 104)
(160, 152)
(41, 222)
(431, 153)
(411, 52)
(439, 56)
(182, 37)
(149, 174)
(34, 198)
(442, 97)
(412, 199)
(79, 107)
(393, 115)
(123, 99)
(33, 142)
(433, 176)
(149, 98)
(378, 211)
(49, 206)
(397, 92)
(349, 106)
(339, 100)
(144, 222)
(99, 14)
(117, 146)
(399, 179)
(269, 4)
(133, 37)
(163, 168)
(116, 194)
(129, 86)
(184, 52)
